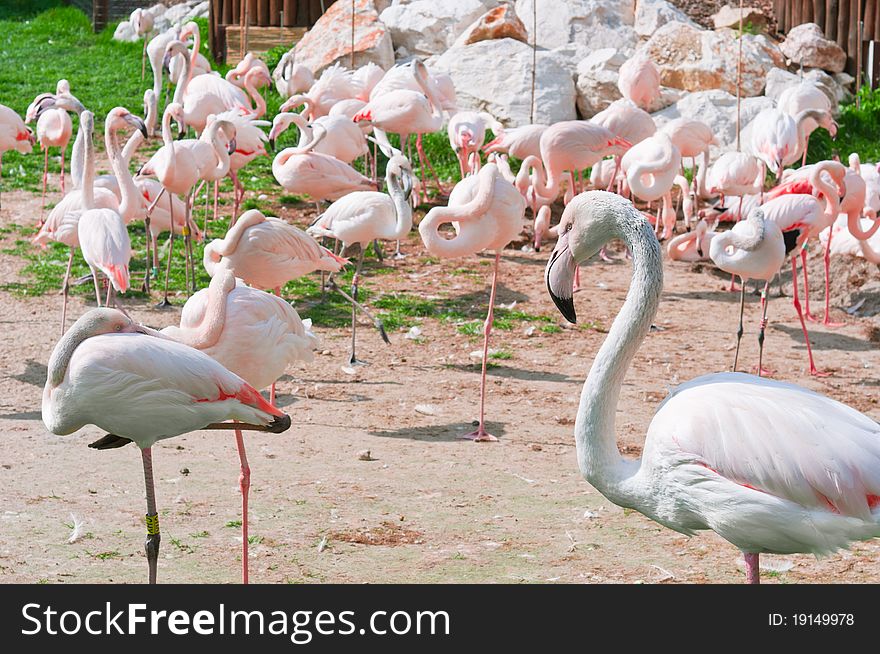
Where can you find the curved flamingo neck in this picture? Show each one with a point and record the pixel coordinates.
(229, 243)
(210, 328)
(183, 82)
(194, 55)
(402, 209)
(598, 456)
(220, 152)
(547, 187)
(254, 93)
(433, 99)
(832, 200)
(130, 199)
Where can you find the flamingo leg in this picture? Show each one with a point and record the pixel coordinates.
(480, 435)
(739, 331)
(1, 182)
(187, 240)
(807, 314)
(353, 360)
(144, 60)
(797, 306)
(149, 236)
(377, 323)
(65, 289)
(765, 300)
(97, 282)
(45, 175)
(753, 570)
(165, 303)
(109, 293)
(151, 544)
(377, 248)
(244, 484)
(827, 258)
(62, 171)
(424, 155)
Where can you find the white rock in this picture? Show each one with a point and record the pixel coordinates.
(178, 13)
(504, 88)
(156, 10)
(653, 14)
(806, 45)
(199, 11)
(597, 81)
(125, 32)
(836, 87)
(717, 109)
(586, 25)
(427, 27)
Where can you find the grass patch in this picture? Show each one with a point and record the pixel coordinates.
(857, 131)
(233, 523)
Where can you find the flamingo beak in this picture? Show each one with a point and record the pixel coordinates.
(232, 146)
(559, 276)
(138, 123)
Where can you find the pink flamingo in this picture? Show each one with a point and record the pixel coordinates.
(266, 252)
(334, 85)
(406, 76)
(343, 140)
(651, 168)
(404, 111)
(361, 218)
(753, 249)
(851, 187)
(487, 213)
(519, 142)
(691, 246)
(799, 97)
(199, 64)
(692, 138)
(639, 81)
(735, 173)
(365, 78)
(142, 23)
(627, 122)
(14, 135)
(54, 129)
(303, 171)
(778, 139)
(142, 387)
(294, 78)
(467, 133)
(250, 61)
(103, 237)
(254, 335)
(783, 469)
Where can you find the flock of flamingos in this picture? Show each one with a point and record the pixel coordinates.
(770, 466)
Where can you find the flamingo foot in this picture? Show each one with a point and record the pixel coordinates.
(480, 435)
(830, 323)
(398, 256)
(164, 304)
(815, 372)
(763, 372)
(809, 316)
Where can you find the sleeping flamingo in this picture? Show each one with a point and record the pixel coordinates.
(781, 470)
(487, 213)
(254, 335)
(294, 78)
(362, 217)
(639, 81)
(142, 387)
(651, 167)
(778, 139)
(753, 249)
(691, 246)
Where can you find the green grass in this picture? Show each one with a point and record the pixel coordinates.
(857, 132)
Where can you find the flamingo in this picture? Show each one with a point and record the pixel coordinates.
(853, 190)
(769, 466)
(254, 335)
(142, 24)
(692, 138)
(365, 78)
(266, 252)
(14, 135)
(651, 168)
(487, 213)
(334, 84)
(519, 142)
(639, 81)
(405, 111)
(627, 122)
(199, 64)
(142, 387)
(250, 61)
(294, 78)
(303, 171)
(344, 140)
(405, 76)
(778, 139)
(753, 249)
(735, 173)
(54, 129)
(103, 237)
(365, 216)
(691, 246)
(799, 97)
(467, 133)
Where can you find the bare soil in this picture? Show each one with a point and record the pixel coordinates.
(425, 506)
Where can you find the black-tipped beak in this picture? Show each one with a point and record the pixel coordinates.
(560, 279)
(271, 145)
(232, 146)
(138, 122)
(407, 185)
(279, 424)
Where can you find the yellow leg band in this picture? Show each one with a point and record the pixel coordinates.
(185, 230)
(152, 524)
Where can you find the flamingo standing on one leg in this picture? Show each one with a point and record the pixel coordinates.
(141, 387)
(14, 135)
(753, 249)
(251, 333)
(361, 218)
(782, 469)
(142, 24)
(487, 213)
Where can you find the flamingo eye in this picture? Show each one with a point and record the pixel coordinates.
(118, 328)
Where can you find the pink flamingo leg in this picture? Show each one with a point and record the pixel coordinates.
(809, 316)
(424, 155)
(45, 175)
(151, 544)
(62, 172)
(797, 306)
(827, 321)
(244, 483)
(65, 288)
(753, 570)
(761, 370)
(481, 435)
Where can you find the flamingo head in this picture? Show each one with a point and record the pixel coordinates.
(399, 170)
(364, 115)
(120, 116)
(172, 50)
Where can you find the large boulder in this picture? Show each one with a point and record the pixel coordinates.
(806, 45)
(835, 87)
(581, 25)
(329, 40)
(125, 32)
(717, 109)
(651, 15)
(697, 60)
(427, 27)
(495, 76)
(596, 82)
(501, 22)
(728, 16)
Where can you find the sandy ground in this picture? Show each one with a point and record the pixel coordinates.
(430, 507)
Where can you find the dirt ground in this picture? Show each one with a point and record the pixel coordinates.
(429, 506)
